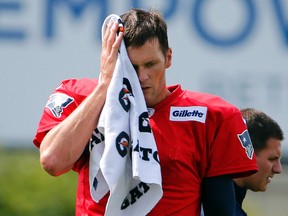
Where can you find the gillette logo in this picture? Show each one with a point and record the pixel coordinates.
(186, 113)
(192, 113)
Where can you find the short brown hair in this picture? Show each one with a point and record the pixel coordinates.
(261, 127)
(141, 26)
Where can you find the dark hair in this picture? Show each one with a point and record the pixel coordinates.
(141, 26)
(261, 127)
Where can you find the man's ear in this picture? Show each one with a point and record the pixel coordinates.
(168, 58)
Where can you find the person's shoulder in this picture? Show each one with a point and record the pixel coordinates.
(207, 98)
(79, 86)
(212, 102)
(80, 82)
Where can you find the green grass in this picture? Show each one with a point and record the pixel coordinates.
(26, 189)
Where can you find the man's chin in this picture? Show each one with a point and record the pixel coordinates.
(260, 189)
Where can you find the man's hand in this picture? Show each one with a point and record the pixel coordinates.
(110, 46)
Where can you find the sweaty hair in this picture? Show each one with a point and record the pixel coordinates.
(141, 26)
(261, 128)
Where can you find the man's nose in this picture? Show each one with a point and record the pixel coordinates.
(277, 167)
(142, 74)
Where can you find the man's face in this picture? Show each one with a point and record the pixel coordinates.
(268, 161)
(150, 64)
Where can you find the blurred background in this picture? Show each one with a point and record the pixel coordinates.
(237, 49)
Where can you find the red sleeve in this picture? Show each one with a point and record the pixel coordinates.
(232, 150)
(61, 103)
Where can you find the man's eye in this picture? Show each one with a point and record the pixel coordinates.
(274, 158)
(150, 64)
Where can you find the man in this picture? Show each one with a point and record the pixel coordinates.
(266, 136)
(196, 134)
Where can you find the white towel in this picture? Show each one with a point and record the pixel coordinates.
(126, 163)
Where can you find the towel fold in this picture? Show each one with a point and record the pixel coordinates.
(125, 161)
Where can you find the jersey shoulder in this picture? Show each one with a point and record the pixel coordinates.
(214, 103)
(78, 87)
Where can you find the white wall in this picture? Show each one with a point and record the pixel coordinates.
(249, 71)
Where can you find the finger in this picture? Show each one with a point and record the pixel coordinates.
(107, 33)
(117, 42)
(112, 35)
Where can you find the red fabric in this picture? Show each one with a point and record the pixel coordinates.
(188, 150)
(191, 150)
(78, 90)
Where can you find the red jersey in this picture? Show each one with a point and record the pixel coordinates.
(197, 135)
